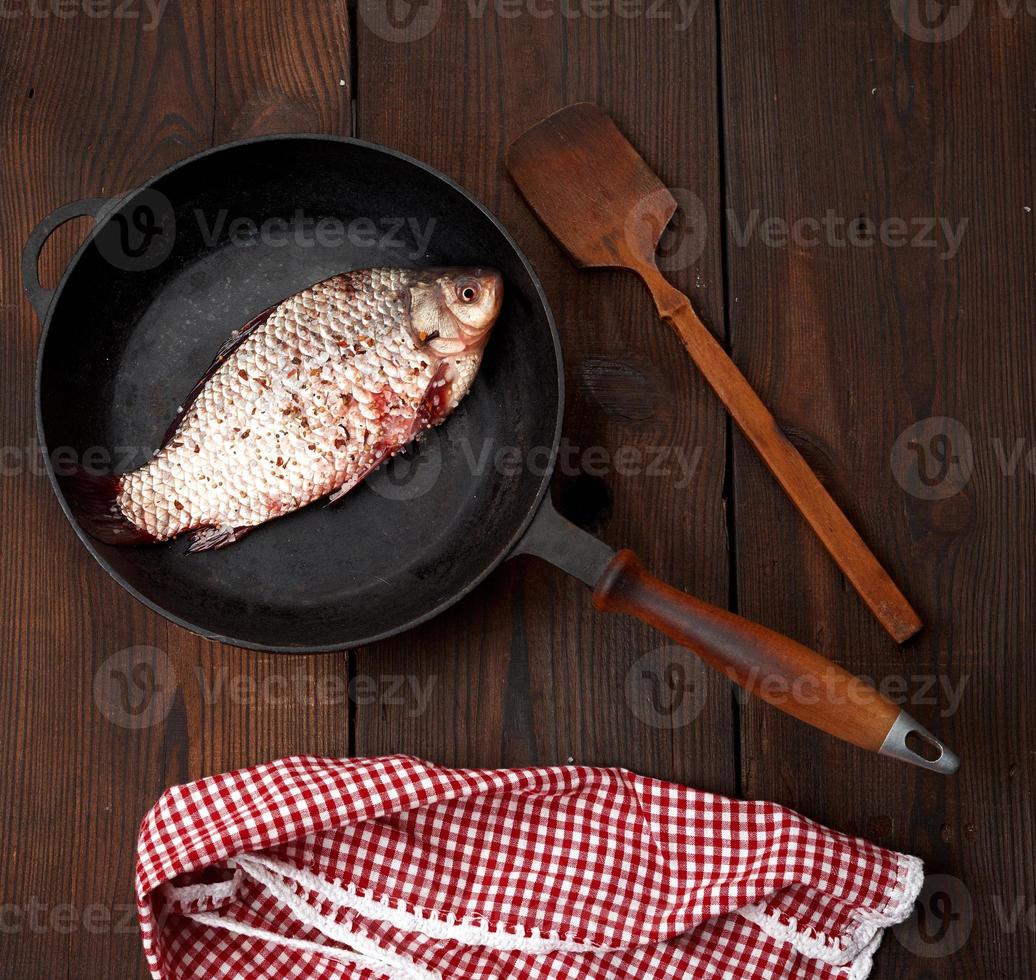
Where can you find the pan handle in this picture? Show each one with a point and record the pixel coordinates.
(774, 667)
(39, 295)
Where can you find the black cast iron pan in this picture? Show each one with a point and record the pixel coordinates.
(170, 269)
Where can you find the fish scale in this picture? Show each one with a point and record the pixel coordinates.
(313, 398)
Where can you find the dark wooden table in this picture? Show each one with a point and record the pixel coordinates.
(813, 145)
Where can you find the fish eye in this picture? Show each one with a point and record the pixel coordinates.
(467, 290)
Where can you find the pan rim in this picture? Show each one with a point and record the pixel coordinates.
(214, 635)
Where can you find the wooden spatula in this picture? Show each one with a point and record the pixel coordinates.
(606, 207)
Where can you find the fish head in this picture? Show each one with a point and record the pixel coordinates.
(452, 311)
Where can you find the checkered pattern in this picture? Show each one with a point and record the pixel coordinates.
(393, 868)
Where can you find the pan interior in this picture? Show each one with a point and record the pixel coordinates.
(139, 318)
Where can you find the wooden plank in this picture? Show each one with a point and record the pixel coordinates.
(77, 784)
(103, 104)
(851, 345)
(282, 68)
(278, 68)
(524, 670)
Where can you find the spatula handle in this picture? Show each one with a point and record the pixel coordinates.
(784, 461)
(784, 673)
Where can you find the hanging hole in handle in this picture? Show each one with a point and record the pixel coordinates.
(59, 248)
(39, 295)
(924, 746)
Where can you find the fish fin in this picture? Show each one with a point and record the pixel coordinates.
(424, 420)
(435, 403)
(209, 538)
(359, 478)
(93, 499)
(231, 344)
(340, 492)
(433, 409)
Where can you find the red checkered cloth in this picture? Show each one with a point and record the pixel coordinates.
(394, 868)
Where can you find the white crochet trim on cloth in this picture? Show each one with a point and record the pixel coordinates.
(215, 894)
(471, 932)
(390, 971)
(853, 950)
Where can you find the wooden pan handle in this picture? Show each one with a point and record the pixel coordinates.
(784, 461)
(784, 673)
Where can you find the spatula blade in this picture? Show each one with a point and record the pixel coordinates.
(590, 187)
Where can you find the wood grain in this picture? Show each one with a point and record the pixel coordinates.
(853, 344)
(597, 196)
(824, 106)
(526, 671)
(277, 68)
(103, 104)
(775, 668)
(91, 126)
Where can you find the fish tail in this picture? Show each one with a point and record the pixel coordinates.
(93, 498)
